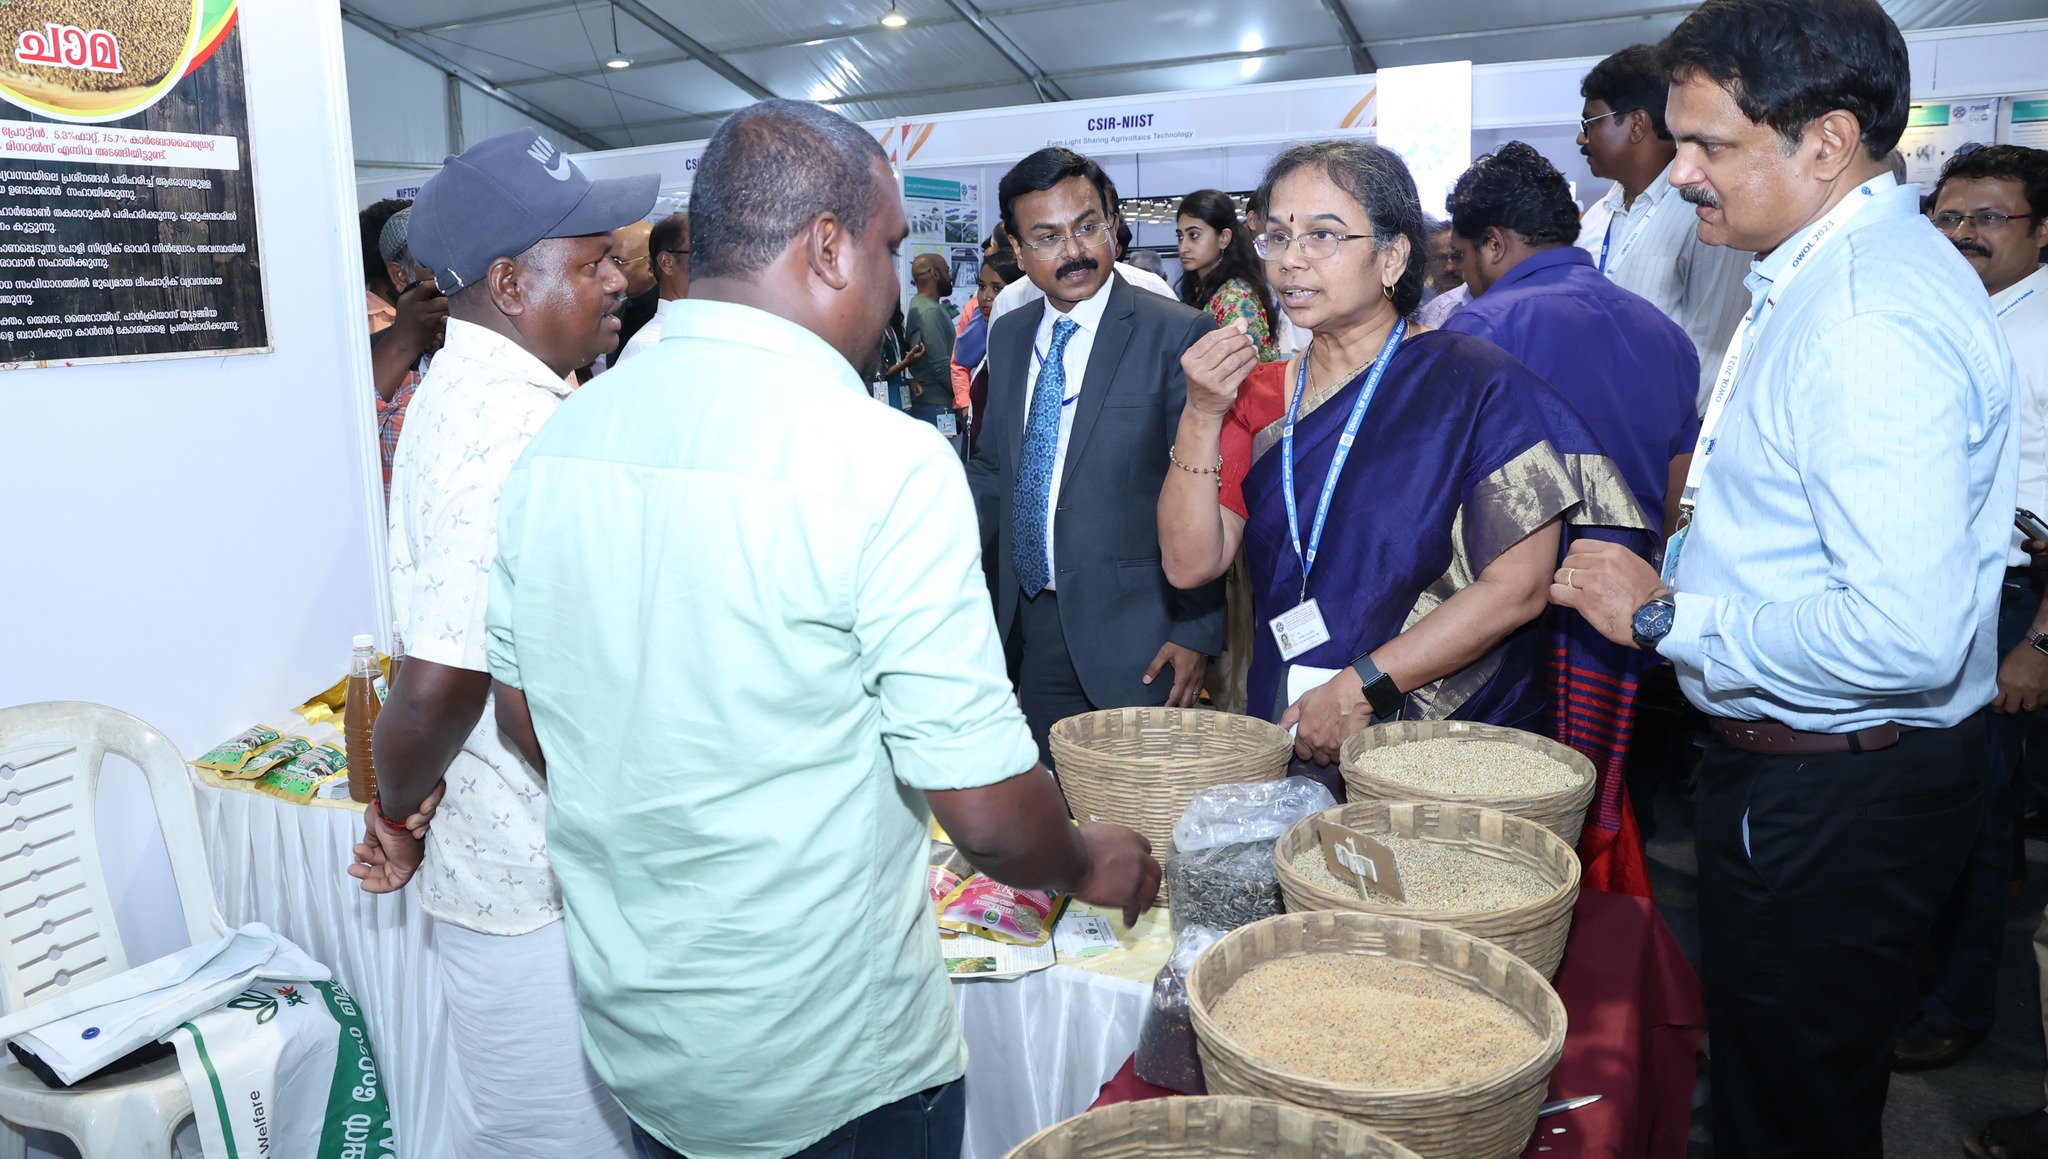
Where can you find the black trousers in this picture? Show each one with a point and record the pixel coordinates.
(1048, 688)
(1820, 879)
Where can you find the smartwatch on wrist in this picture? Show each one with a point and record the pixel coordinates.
(1652, 622)
(1386, 700)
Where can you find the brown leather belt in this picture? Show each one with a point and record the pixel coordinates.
(1774, 739)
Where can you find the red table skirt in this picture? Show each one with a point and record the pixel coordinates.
(1636, 1019)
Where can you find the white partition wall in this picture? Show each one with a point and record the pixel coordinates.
(194, 541)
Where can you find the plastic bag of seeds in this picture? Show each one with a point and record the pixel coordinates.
(1166, 1039)
(1220, 873)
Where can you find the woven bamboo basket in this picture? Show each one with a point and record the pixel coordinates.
(1562, 812)
(1534, 932)
(1141, 766)
(1215, 1127)
(1487, 1118)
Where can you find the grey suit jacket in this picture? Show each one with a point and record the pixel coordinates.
(1115, 603)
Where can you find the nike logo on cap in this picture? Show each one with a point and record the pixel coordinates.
(541, 150)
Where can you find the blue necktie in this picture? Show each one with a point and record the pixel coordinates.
(1034, 466)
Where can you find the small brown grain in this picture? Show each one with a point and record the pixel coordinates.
(1436, 875)
(1365, 1021)
(1491, 768)
(151, 34)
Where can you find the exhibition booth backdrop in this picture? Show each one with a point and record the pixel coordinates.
(1979, 83)
(195, 540)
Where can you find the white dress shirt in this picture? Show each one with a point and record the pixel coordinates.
(1433, 312)
(486, 866)
(1024, 290)
(1087, 316)
(1844, 562)
(2022, 310)
(647, 335)
(1698, 286)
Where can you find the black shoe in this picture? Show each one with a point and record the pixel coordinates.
(1931, 1045)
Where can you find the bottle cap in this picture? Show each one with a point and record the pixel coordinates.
(366, 641)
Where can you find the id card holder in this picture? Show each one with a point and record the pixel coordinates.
(881, 392)
(1671, 551)
(948, 425)
(1299, 629)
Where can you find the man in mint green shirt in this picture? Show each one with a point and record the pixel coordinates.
(752, 651)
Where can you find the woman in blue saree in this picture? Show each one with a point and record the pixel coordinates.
(1406, 578)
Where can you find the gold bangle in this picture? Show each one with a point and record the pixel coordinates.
(1217, 470)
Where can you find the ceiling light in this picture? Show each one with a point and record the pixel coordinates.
(1250, 67)
(617, 59)
(894, 19)
(1250, 43)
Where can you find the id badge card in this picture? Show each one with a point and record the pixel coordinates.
(1299, 629)
(1671, 551)
(948, 424)
(880, 391)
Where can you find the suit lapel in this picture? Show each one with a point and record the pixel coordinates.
(1018, 348)
(1110, 339)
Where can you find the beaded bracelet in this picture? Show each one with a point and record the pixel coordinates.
(1216, 470)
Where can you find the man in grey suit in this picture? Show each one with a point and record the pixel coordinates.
(1084, 393)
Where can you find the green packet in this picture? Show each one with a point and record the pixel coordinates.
(292, 746)
(233, 758)
(299, 778)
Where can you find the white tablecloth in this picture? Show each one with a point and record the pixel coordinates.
(285, 865)
(1039, 1049)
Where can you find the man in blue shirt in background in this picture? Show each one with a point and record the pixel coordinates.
(1631, 373)
(1833, 600)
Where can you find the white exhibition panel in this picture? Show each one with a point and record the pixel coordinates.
(195, 540)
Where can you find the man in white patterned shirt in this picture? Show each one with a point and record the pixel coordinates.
(520, 240)
(1640, 234)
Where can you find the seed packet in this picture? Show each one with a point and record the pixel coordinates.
(299, 778)
(987, 907)
(231, 758)
(294, 744)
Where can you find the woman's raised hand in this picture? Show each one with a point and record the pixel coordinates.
(1216, 366)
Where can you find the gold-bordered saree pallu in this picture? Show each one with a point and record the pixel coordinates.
(1462, 453)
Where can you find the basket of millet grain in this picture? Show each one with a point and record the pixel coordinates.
(1439, 1040)
(1472, 764)
(1505, 879)
(1216, 1127)
(1141, 766)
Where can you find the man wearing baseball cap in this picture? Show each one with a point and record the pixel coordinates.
(520, 241)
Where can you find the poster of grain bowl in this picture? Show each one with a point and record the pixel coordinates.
(127, 191)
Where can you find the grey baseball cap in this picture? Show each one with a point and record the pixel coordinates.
(391, 241)
(508, 192)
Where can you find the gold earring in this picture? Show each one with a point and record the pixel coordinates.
(1387, 290)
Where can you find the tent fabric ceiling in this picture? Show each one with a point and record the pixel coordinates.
(694, 61)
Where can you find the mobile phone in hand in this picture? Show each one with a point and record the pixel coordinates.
(2030, 524)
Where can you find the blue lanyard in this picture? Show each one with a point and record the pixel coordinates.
(1343, 452)
(1038, 361)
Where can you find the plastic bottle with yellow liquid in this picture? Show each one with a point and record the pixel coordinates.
(359, 719)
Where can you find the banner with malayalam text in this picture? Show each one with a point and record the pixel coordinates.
(127, 198)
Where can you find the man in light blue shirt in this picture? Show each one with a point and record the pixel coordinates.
(752, 651)
(1833, 603)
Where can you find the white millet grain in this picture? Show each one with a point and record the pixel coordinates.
(1366, 1021)
(1490, 768)
(1436, 876)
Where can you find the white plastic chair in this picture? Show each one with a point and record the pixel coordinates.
(57, 924)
